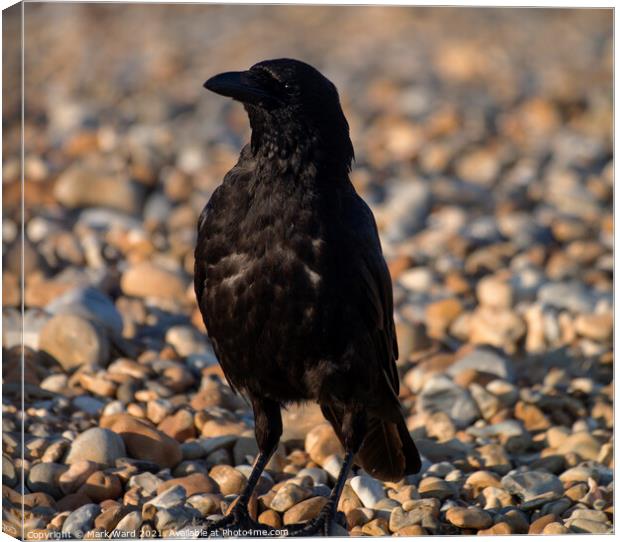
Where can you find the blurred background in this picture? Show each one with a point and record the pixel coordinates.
(483, 142)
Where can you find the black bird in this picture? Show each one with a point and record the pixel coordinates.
(291, 280)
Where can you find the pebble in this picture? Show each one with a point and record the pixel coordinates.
(359, 516)
(98, 386)
(481, 479)
(516, 518)
(79, 187)
(588, 526)
(440, 314)
(170, 520)
(369, 490)
(322, 442)
(91, 304)
(417, 279)
(424, 512)
(533, 418)
(80, 520)
(404, 494)
(88, 404)
(332, 465)
(441, 394)
(469, 518)
(9, 476)
(440, 426)
(158, 409)
(101, 486)
(147, 279)
(494, 292)
(485, 360)
(590, 515)
(72, 479)
(304, 511)
(488, 404)
(229, 480)
(598, 327)
(581, 443)
(218, 428)
(74, 341)
(271, 519)
(109, 518)
(409, 206)
(578, 474)
(146, 481)
(55, 383)
(319, 476)
(245, 450)
(287, 496)
(533, 485)
(435, 487)
(539, 524)
(97, 445)
(376, 527)
(186, 340)
(128, 525)
(193, 484)
(171, 498)
(494, 458)
(501, 528)
(411, 530)
(44, 477)
(206, 504)
(501, 328)
(572, 296)
(143, 441)
(555, 528)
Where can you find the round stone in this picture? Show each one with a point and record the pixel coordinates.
(143, 441)
(74, 341)
(469, 518)
(44, 477)
(98, 445)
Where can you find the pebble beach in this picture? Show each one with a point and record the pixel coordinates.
(484, 146)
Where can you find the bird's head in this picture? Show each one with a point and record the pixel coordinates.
(288, 99)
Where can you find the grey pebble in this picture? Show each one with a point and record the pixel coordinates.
(441, 394)
(485, 360)
(532, 485)
(80, 520)
(44, 477)
(97, 444)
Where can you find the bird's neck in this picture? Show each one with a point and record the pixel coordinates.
(292, 148)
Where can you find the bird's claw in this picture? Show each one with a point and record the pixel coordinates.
(237, 524)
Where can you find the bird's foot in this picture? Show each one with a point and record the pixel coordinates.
(322, 525)
(238, 524)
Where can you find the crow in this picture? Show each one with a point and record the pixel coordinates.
(292, 284)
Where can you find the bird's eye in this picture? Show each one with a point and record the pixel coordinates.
(289, 88)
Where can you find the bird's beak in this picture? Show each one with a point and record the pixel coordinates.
(243, 87)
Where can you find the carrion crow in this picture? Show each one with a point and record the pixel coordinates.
(292, 284)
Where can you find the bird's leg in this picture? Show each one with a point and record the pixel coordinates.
(268, 429)
(353, 432)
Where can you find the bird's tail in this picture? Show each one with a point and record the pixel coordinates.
(388, 452)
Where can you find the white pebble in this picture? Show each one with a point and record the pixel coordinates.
(369, 490)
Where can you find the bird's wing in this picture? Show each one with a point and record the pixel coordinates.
(200, 252)
(213, 223)
(373, 288)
